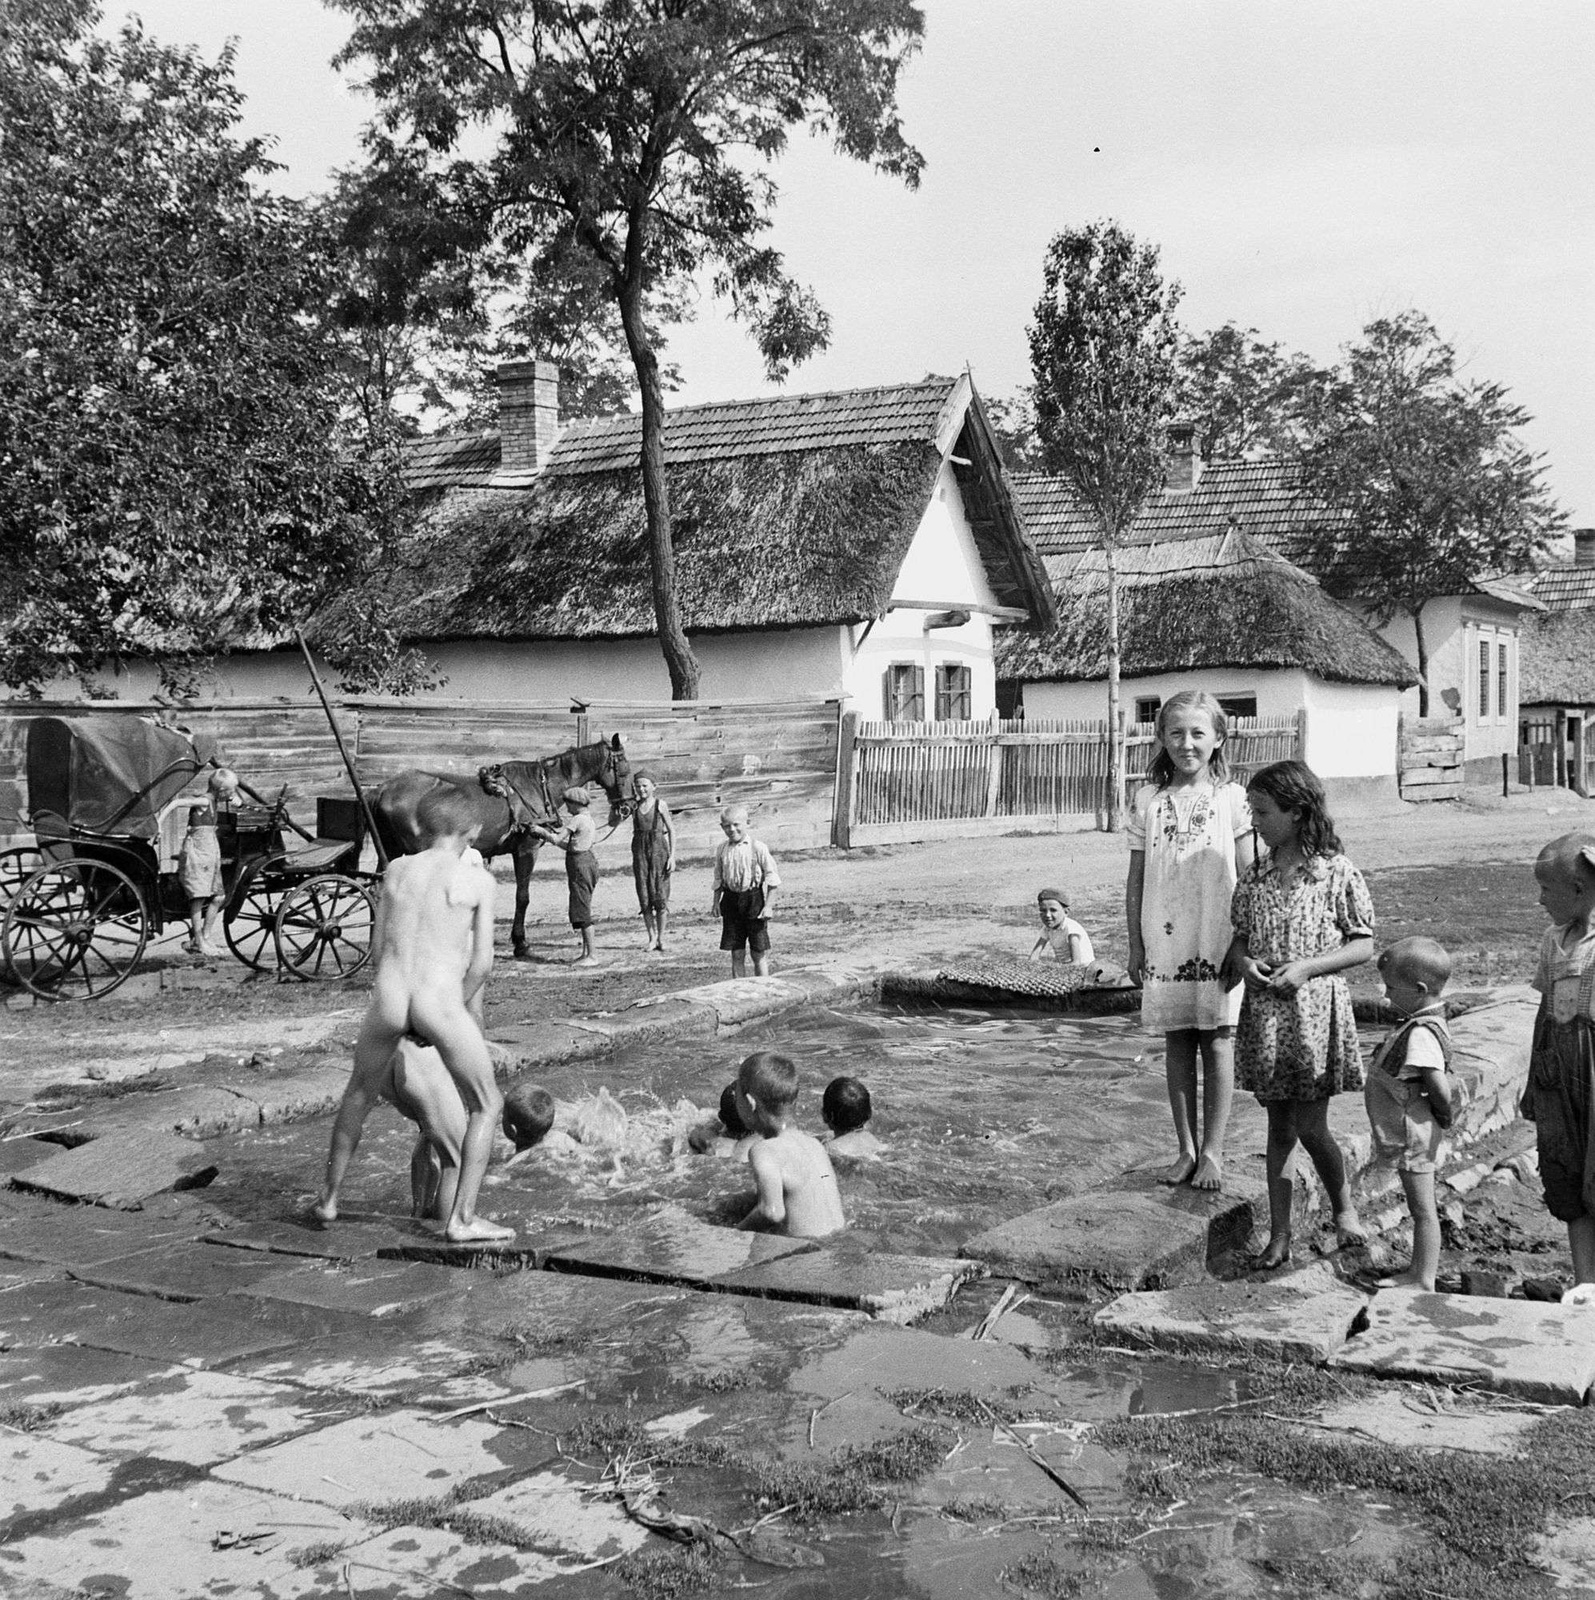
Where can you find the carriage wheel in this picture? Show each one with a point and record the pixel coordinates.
(249, 923)
(16, 866)
(74, 931)
(324, 927)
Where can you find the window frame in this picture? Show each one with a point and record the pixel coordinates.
(1503, 663)
(1484, 700)
(947, 673)
(892, 701)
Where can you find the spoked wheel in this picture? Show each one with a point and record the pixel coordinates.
(74, 931)
(16, 867)
(249, 922)
(324, 927)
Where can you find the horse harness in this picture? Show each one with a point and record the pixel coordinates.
(495, 779)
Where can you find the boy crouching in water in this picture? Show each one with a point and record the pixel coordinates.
(432, 949)
(797, 1184)
(1408, 1093)
(1562, 1058)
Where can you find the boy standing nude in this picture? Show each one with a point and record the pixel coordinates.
(432, 947)
(797, 1184)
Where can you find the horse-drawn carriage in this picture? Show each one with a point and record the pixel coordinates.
(81, 905)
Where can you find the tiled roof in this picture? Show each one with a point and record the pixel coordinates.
(450, 461)
(1564, 587)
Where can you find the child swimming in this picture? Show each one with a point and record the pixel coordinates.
(797, 1184)
(1061, 936)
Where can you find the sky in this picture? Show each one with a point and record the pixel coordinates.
(1303, 169)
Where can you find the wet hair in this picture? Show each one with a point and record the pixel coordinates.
(1042, 897)
(1424, 961)
(734, 814)
(845, 1105)
(770, 1079)
(730, 1117)
(528, 1115)
(1161, 772)
(445, 810)
(1294, 786)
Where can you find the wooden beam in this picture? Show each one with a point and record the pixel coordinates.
(1002, 613)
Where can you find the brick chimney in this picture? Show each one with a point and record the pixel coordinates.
(1584, 547)
(1182, 463)
(528, 418)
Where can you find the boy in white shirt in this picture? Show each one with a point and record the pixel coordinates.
(745, 878)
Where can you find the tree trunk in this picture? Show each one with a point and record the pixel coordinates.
(680, 660)
(1423, 662)
(1116, 761)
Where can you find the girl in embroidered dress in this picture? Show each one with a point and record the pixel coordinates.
(1302, 917)
(1190, 836)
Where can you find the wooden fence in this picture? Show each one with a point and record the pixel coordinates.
(901, 781)
(1430, 758)
(777, 758)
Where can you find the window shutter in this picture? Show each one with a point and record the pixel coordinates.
(916, 702)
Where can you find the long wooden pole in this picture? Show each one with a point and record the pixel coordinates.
(343, 750)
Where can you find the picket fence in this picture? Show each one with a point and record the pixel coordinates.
(904, 781)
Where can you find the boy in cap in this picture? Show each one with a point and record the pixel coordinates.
(576, 839)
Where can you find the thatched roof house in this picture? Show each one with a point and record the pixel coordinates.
(1472, 638)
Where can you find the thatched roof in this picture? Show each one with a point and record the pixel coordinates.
(1556, 659)
(792, 512)
(1214, 600)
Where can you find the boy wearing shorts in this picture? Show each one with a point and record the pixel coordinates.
(745, 878)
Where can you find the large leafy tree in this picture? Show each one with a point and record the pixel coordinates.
(1427, 482)
(1244, 395)
(174, 476)
(1102, 351)
(628, 142)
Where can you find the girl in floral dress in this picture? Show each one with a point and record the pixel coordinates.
(1190, 836)
(1302, 917)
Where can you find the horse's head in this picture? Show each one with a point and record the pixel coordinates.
(493, 781)
(615, 776)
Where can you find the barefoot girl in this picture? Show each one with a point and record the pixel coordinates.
(653, 857)
(1190, 838)
(1302, 916)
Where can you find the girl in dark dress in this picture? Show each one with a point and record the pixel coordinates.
(653, 858)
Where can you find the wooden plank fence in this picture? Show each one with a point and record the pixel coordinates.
(1430, 759)
(777, 758)
(902, 781)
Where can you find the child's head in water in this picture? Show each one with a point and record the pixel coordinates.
(730, 1117)
(1415, 973)
(1565, 872)
(1289, 806)
(845, 1106)
(447, 812)
(767, 1085)
(1191, 730)
(528, 1115)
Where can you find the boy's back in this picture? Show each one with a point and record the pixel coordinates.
(429, 904)
(798, 1163)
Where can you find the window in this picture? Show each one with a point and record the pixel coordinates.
(904, 694)
(953, 692)
(1484, 679)
(1147, 707)
(1500, 681)
(1238, 705)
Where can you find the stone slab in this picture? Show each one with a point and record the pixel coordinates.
(1522, 1347)
(549, 1304)
(194, 1112)
(38, 1474)
(425, 1563)
(1136, 1237)
(1299, 1316)
(735, 1001)
(671, 1246)
(192, 1416)
(123, 1171)
(399, 1455)
(206, 1538)
(894, 1288)
(86, 1235)
(70, 1375)
(523, 1253)
(371, 1289)
(557, 1514)
(657, 1019)
(185, 1274)
(432, 1370)
(295, 1096)
(347, 1241)
(17, 1155)
(886, 1358)
(545, 1044)
(1408, 1422)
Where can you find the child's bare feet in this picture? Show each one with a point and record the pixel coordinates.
(1209, 1173)
(1274, 1254)
(325, 1211)
(1180, 1171)
(1349, 1229)
(585, 961)
(479, 1230)
(1581, 1294)
(1403, 1280)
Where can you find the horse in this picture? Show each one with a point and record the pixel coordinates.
(508, 797)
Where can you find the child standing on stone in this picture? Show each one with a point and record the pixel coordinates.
(1408, 1093)
(1562, 1061)
(745, 878)
(1302, 916)
(1190, 837)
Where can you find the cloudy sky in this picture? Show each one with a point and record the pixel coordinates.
(1302, 168)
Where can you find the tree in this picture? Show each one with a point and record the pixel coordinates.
(630, 138)
(1245, 397)
(1102, 350)
(1427, 484)
(174, 478)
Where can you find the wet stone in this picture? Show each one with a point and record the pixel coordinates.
(43, 1475)
(177, 1274)
(894, 1288)
(70, 1375)
(1299, 1316)
(424, 1563)
(671, 1246)
(542, 1044)
(347, 1240)
(738, 1000)
(557, 1514)
(1521, 1347)
(553, 1305)
(889, 1359)
(1415, 1423)
(195, 1113)
(17, 1155)
(438, 1372)
(375, 1289)
(123, 1171)
(1131, 1238)
(85, 1235)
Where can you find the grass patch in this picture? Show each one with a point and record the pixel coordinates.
(858, 1478)
(318, 1555)
(530, 1342)
(960, 1405)
(1041, 1573)
(976, 1509)
(27, 1417)
(664, 1575)
(731, 1378)
(451, 1513)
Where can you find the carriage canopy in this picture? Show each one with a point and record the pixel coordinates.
(109, 774)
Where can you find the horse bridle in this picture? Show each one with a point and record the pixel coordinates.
(495, 780)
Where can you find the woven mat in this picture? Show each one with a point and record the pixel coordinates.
(1040, 978)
